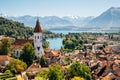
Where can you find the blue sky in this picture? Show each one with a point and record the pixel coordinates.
(56, 7)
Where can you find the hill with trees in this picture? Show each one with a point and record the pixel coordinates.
(19, 30)
(14, 28)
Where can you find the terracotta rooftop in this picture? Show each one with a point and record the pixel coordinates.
(19, 43)
(4, 58)
(47, 50)
(37, 27)
(110, 76)
(34, 67)
(55, 52)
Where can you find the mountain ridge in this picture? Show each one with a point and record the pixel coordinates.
(107, 20)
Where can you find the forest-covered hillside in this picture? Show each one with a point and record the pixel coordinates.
(14, 28)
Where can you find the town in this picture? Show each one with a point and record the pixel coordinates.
(84, 56)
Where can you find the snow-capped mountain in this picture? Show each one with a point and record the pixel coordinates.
(54, 22)
(107, 20)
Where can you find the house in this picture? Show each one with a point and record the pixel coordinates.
(4, 60)
(18, 45)
(97, 46)
(52, 56)
(114, 47)
(32, 70)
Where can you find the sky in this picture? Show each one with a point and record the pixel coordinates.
(59, 8)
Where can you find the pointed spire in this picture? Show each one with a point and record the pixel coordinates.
(37, 27)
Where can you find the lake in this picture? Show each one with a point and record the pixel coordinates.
(66, 32)
(55, 43)
(91, 31)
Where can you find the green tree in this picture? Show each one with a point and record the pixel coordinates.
(28, 54)
(77, 78)
(69, 44)
(13, 66)
(43, 73)
(55, 73)
(5, 46)
(39, 78)
(46, 44)
(67, 60)
(43, 61)
(77, 69)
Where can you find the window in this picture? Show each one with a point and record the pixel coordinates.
(38, 37)
(35, 37)
(38, 48)
(17, 53)
(14, 51)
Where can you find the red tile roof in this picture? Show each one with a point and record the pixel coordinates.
(34, 67)
(38, 27)
(19, 43)
(56, 52)
(4, 58)
(47, 50)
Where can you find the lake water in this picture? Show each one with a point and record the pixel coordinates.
(55, 43)
(66, 32)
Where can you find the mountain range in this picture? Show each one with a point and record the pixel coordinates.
(108, 20)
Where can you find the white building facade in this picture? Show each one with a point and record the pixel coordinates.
(38, 40)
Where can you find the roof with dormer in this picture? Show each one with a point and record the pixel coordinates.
(37, 27)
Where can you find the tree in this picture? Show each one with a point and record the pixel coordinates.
(55, 73)
(67, 60)
(5, 46)
(77, 69)
(43, 73)
(16, 66)
(69, 44)
(28, 54)
(46, 44)
(43, 61)
(39, 78)
(77, 78)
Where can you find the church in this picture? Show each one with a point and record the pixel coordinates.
(18, 45)
(38, 40)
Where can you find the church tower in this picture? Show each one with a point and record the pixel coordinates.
(38, 40)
